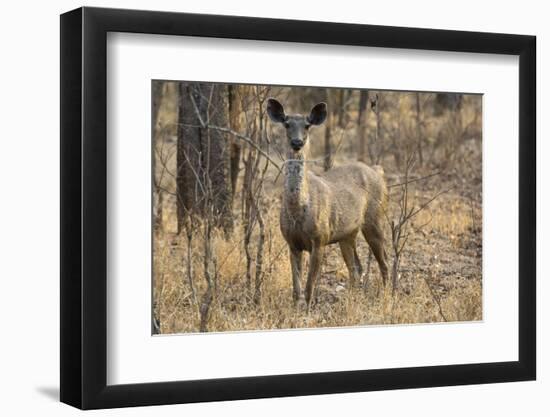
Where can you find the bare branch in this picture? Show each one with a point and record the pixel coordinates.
(247, 140)
(415, 179)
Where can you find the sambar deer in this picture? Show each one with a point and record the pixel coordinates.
(333, 207)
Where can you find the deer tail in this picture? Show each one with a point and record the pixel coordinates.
(379, 170)
(384, 190)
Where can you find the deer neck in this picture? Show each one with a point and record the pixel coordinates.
(296, 185)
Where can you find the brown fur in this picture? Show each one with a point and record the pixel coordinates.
(333, 207)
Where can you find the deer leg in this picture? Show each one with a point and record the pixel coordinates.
(296, 266)
(375, 239)
(358, 266)
(349, 252)
(315, 260)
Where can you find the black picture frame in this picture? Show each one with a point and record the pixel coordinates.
(84, 207)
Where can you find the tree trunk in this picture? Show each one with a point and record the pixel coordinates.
(328, 130)
(188, 155)
(235, 109)
(218, 156)
(375, 145)
(328, 144)
(203, 154)
(341, 99)
(419, 130)
(156, 93)
(159, 212)
(362, 125)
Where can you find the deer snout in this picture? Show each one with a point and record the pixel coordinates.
(297, 144)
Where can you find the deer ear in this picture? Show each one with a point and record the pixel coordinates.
(275, 111)
(318, 114)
